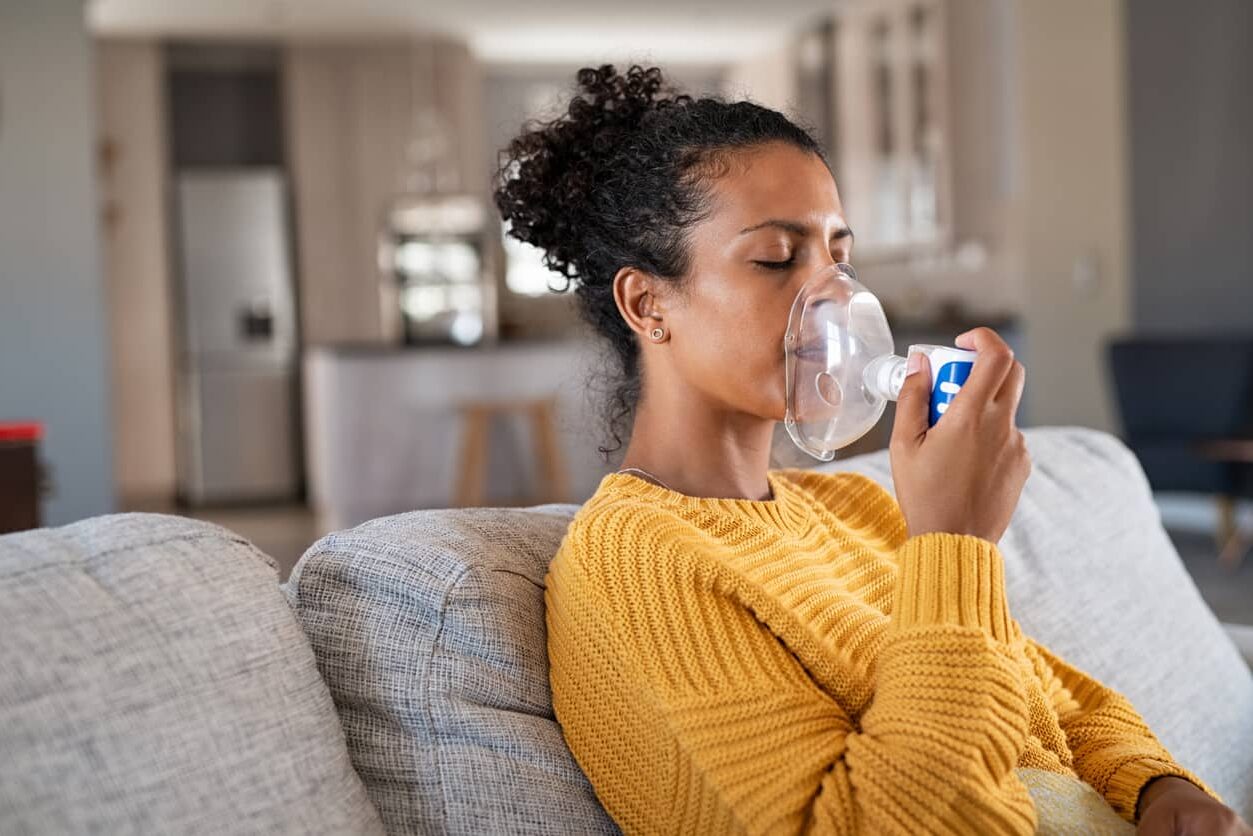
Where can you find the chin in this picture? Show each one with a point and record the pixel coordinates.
(776, 409)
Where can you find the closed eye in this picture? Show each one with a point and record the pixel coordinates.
(777, 265)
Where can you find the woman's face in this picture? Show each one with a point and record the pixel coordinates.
(776, 221)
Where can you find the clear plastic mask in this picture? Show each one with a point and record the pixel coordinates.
(839, 361)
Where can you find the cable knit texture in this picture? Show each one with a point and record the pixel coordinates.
(801, 664)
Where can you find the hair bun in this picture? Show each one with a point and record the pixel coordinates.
(546, 181)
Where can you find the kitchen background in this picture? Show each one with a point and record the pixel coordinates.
(250, 270)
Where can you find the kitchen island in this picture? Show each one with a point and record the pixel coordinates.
(383, 424)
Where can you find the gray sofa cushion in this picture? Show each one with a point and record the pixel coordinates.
(154, 680)
(429, 629)
(1091, 574)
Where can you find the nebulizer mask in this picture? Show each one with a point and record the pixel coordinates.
(840, 365)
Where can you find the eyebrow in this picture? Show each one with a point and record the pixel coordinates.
(841, 231)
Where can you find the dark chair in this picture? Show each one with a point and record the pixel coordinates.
(1174, 393)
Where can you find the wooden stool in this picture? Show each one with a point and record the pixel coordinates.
(1233, 542)
(476, 417)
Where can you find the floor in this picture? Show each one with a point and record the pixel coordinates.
(1228, 592)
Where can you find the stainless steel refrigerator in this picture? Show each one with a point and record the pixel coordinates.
(237, 399)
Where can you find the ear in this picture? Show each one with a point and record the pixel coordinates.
(639, 298)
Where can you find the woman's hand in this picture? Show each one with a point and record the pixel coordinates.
(1172, 806)
(965, 474)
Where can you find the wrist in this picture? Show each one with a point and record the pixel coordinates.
(1155, 788)
(951, 579)
(921, 527)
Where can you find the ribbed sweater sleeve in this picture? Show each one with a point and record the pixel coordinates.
(1114, 749)
(937, 748)
(690, 715)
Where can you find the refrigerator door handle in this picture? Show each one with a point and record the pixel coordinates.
(256, 321)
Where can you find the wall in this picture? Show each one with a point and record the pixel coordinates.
(767, 78)
(1070, 221)
(52, 314)
(130, 99)
(1191, 128)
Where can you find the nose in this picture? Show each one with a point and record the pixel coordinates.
(831, 268)
(828, 270)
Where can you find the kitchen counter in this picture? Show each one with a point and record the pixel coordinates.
(383, 431)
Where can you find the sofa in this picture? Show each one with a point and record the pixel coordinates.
(155, 676)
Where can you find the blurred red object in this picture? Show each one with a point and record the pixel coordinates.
(19, 475)
(21, 431)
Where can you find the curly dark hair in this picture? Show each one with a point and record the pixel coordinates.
(616, 181)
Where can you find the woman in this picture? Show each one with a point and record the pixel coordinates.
(735, 648)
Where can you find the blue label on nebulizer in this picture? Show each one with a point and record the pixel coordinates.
(946, 383)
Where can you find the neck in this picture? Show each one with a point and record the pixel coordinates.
(707, 452)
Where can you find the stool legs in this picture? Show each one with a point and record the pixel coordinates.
(1233, 542)
(472, 462)
(473, 456)
(548, 453)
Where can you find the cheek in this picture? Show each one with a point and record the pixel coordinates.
(735, 353)
(743, 333)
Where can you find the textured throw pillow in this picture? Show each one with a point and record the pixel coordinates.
(154, 680)
(1066, 806)
(429, 629)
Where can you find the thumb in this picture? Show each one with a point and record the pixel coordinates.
(914, 403)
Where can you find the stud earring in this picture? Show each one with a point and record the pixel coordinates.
(658, 333)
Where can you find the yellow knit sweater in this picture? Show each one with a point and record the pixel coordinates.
(800, 664)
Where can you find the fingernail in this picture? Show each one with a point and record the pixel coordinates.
(914, 364)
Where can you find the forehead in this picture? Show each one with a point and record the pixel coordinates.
(776, 180)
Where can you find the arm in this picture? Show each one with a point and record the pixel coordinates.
(1114, 749)
(690, 715)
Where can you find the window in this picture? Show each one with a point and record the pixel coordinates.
(525, 272)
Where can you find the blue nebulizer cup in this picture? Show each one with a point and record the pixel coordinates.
(841, 368)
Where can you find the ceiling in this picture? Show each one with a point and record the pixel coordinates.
(498, 31)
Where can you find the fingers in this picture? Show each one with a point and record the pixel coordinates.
(1024, 454)
(1010, 392)
(995, 362)
(913, 404)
